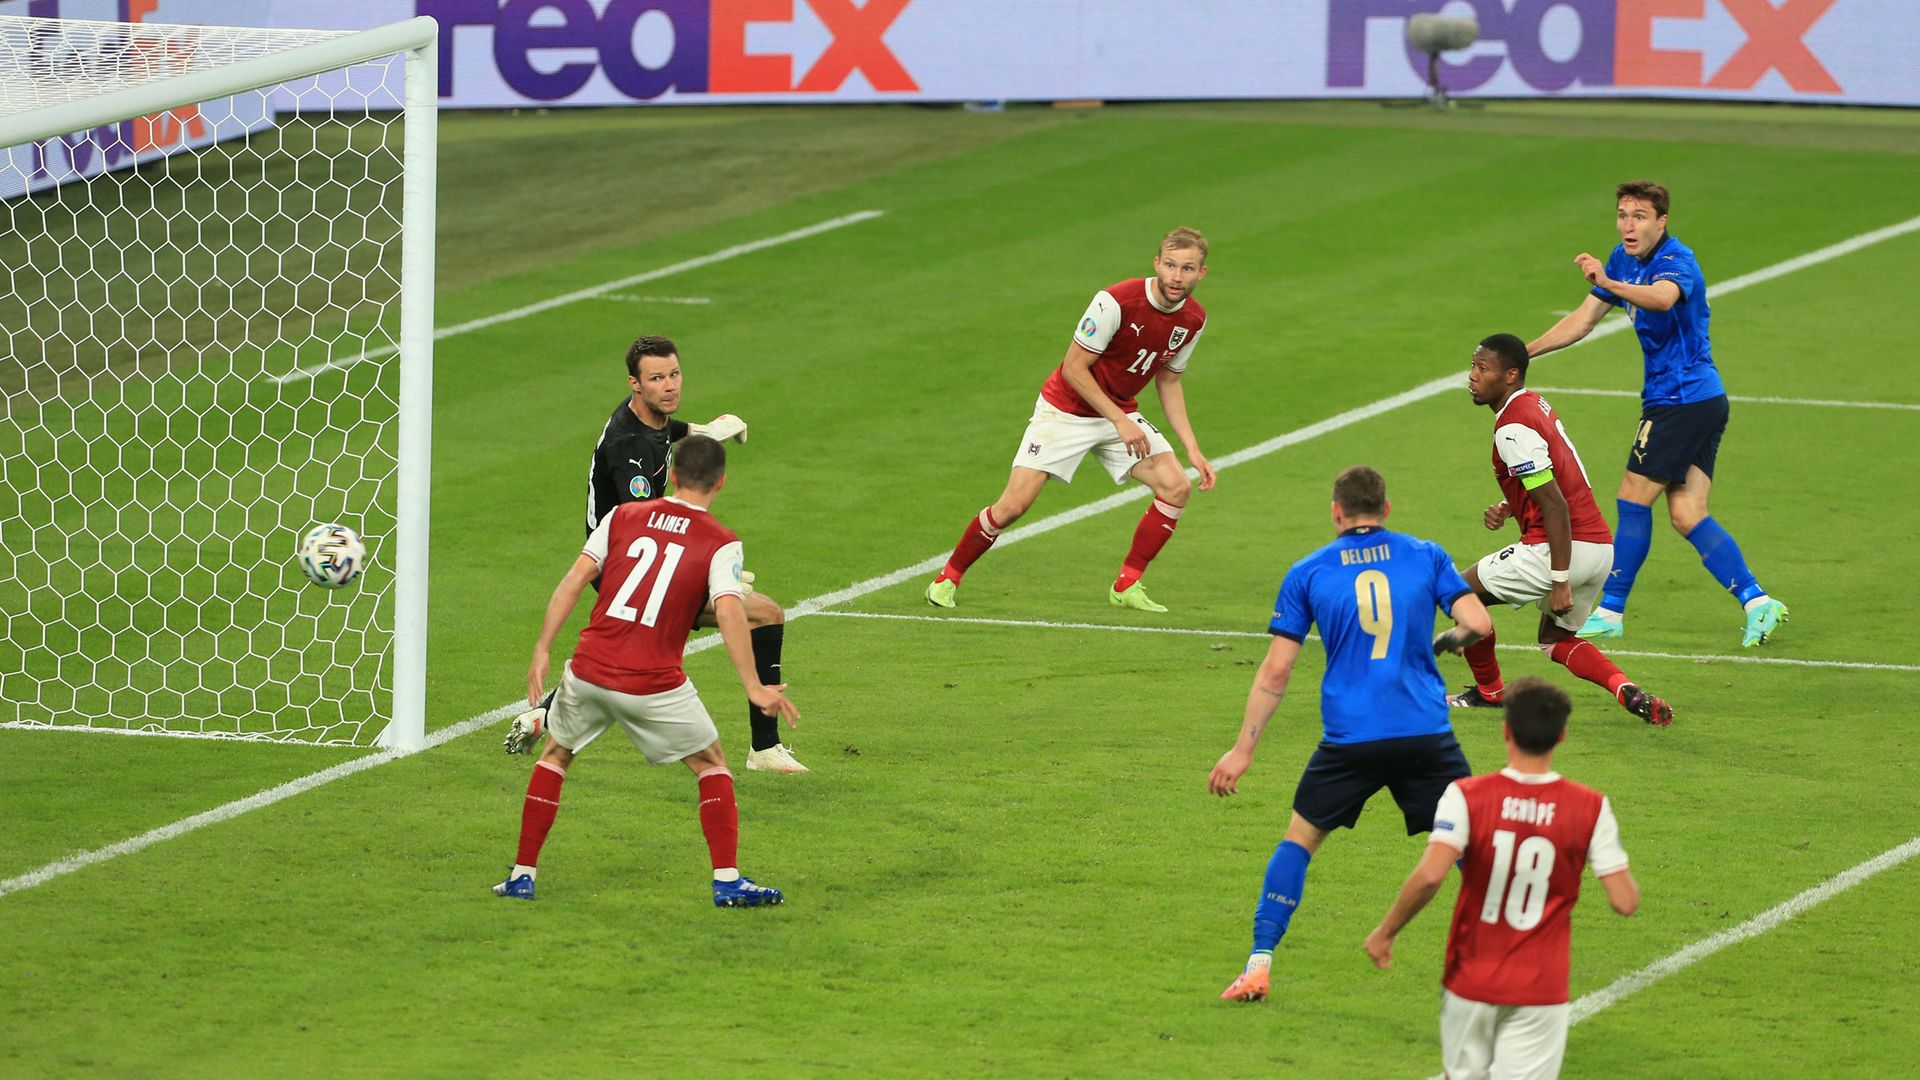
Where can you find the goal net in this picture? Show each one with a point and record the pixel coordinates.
(215, 333)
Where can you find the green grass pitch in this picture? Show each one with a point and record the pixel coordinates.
(1005, 862)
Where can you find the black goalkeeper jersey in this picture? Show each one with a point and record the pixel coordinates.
(630, 463)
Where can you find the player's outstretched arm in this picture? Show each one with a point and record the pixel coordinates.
(731, 615)
(1415, 895)
(1173, 402)
(1269, 687)
(1658, 296)
(559, 607)
(723, 427)
(1575, 325)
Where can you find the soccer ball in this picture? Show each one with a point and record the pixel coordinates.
(332, 555)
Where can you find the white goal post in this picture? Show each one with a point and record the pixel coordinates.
(183, 283)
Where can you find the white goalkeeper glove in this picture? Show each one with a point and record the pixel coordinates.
(723, 427)
(746, 584)
(525, 730)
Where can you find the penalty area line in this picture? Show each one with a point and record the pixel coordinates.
(1742, 399)
(1042, 624)
(734, 252)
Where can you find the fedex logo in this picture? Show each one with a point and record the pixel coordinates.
(709, 52)
(1616, 44)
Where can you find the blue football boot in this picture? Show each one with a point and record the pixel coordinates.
(740, 893)
(520, 888)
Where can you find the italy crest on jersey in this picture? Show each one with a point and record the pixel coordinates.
(1177, 338)
(641, 487)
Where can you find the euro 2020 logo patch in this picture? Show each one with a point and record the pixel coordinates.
(1088, 327)
(641, 487)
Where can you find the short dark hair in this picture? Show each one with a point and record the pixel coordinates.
(698, 462)
(1361, 491)
(1537, 714)
(1654, 193)
(1510, 349)
(651, 345)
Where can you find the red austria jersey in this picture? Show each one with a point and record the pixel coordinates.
(1135, 338)
(1524, 842)
(660, 562)
(1528, 438)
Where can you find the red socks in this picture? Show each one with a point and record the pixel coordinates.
(720, 818)
(1585, 660)
(981, 532)
(1155, 529)
(536, 815)
(1486, 668)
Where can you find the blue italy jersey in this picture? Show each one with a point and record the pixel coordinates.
(1679, 355)
(1372, 594)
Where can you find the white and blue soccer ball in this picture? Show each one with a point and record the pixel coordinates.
(332, 555)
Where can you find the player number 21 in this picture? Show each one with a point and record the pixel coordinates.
(1376, 609)
(646, 550)
(1519, 878)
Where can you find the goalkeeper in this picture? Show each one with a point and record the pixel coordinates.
(630, 465)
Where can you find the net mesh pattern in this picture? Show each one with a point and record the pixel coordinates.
(50, 61)
(162, 451)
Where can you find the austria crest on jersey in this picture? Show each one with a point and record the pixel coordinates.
(1177, 338)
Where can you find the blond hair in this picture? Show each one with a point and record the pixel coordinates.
(1184, 237)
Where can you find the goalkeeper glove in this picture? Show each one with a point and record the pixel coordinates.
(525, 730)
(723, 427)
(746, 583)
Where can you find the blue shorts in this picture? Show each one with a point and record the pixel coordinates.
(1341, 777)
(1674, 437)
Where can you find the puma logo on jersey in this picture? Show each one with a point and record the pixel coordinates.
(1137, 328)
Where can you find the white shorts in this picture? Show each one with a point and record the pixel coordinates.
(1056, 441)
(665, 727)
(1522, 573)
(1479, 1041)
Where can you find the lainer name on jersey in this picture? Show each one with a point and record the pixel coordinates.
(664, 522)
(1358, 556)
(1529, 811)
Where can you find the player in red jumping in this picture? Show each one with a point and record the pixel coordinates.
(1520, 837)
(662, 561)
(1139, 331)
(1565, 549)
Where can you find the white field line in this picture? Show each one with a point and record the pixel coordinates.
(722, 255)
(1589, 1004)
(1631, 983)
(693, 301)
(228, 811)
(1742, 398)
(814, 605)
(1040, 624)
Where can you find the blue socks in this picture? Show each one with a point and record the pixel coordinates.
(1721, 555)
(1279, 895)
(1632, 539)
